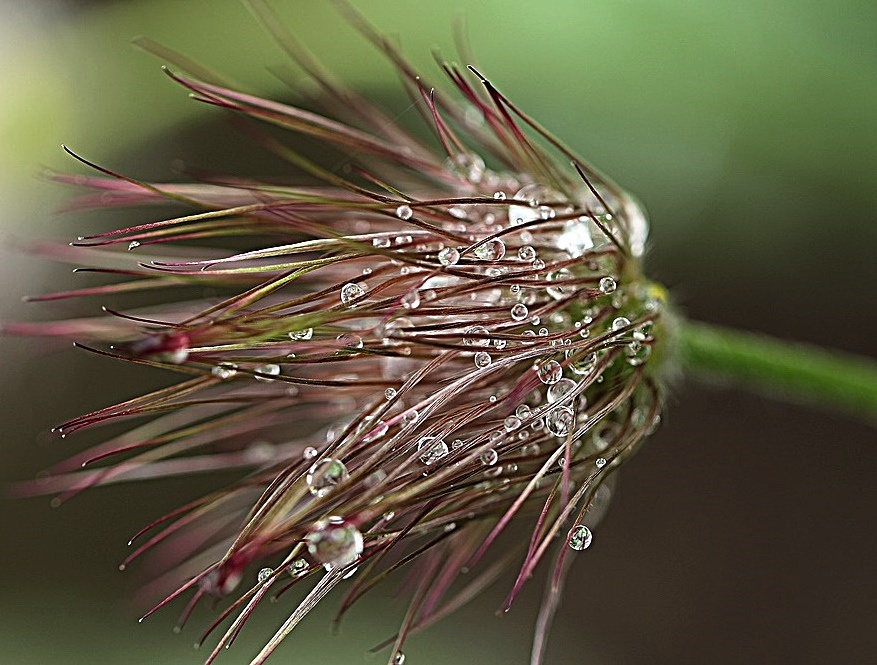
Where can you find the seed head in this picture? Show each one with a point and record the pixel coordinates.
(450, 333)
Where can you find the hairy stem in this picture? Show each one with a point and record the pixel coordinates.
(786, 370)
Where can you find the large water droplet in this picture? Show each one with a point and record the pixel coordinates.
(324, 475)
(334, 543)
(492, 250)
(489, 457)
(301, 335)
(535, 195)
(549, 372)
(351, 292)
(449, 256)
(607, 285)
(561, 421)
(519, 311)
(404, 212)
(575, 239)
(580, 538)
(526, 253)
(476, 336)
(620, 322)
(482, 359)
(264, 574)
(557, 391)
(432, 449)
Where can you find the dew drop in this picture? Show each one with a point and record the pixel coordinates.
(620, 322)
(476, 336)
(404, 212)
(334, 543)
(224, 371)
(601, 462)
(561, 421)
(325, 475)
(411, 300)
(351, 292)
(499, 196)
(519, 311)
(449, 256)
(309, 453)
(264, 574)
(270, 370)
(482, 359)
(580, 538)
(134, 244)
(398, 658)
(575, 239)
(523, 411)
(526, 253)
(492, 250)
(512, 423)
(489, 457)
(390, 393)
(301, 335)
(297, 568)
(637, 353)
(557, 391)
(382, 243)
(550, 372)
(432, 449)
(607, 285)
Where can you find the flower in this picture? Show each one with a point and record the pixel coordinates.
(448, 335)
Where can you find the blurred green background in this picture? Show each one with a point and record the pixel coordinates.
(742, 533)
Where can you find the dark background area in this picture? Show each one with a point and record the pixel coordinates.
(742, 532)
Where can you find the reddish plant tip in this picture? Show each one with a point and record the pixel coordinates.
(461, 321)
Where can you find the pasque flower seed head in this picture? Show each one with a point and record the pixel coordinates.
(463, 287)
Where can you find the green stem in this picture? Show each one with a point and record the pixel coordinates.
(787, 370)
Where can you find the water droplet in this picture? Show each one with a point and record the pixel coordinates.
(519, 311)
(411, 300)
(324, 475)
(301, 335)
(297, 568)
(549, 372)
(456, 444)
(580, 538)
(526, 253)
(449, 256)
(432, 449)
(264, 574)
(601, 462)
(557, 290)
(584, 365)
(500, 344)
(492, 250)
(309, 453)
(575, 239)
(351, 292)
(534, 195)
(404, 212)
(557, 391)
(523, 411)
(476, 336)
(489, 457)
(398, 658)
(334, 543)
(561, 421)
(351, 340)
(637, 353)
(607, 285)
(382, 242)
(390, 393)
(224, 371)
(499, 196)
(620, 322)
(270, 370)
(133, 245)
(482, 359)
